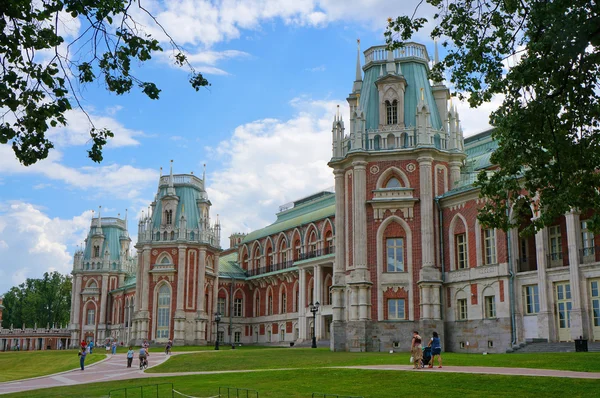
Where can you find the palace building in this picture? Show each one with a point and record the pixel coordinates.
(395, 247)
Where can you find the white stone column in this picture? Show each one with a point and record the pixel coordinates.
(180, 277)
(353, 303)
(360, 221)
(302, 305)
(139, 281)
(76, 297)
(145, 273)
(545, 318)
(425, 302)
(454, 173)
(340, 248)
(426, 210)
(318, 296)
(364, 302)
(574, 243)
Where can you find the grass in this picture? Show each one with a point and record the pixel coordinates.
(366, 383)
(187, 348)
(25, 364)
(242, 359)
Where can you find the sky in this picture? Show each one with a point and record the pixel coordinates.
(277, 69)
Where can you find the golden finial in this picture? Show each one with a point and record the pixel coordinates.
(422, 94)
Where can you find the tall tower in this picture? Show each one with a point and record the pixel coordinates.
(178, 254)
(99, 267)
(388, 171)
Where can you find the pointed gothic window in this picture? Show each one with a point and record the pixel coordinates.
(393, 183)
(169, 217)
(392, 112)
(163, 312)
(96, 251)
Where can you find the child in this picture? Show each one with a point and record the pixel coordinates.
(130, 356)
(82, 355)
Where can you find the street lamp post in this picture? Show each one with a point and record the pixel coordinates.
(314, 308)
(217, 320)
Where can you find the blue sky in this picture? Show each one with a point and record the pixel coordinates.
(277, 68)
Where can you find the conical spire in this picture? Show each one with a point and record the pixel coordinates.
(204, 173)
(171, 189)
(358, 69)
(436, 57)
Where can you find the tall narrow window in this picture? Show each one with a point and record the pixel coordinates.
(396, 309)
(282, 252)
(169, 216)
(461, 251)
(392, 112)
(532, 301)
(587, 239)
(237, 307)
(462, 309)
(257, 258)
(555, 245)
(489, 246)
(270, 305)
(395, 254)
(221, 307)
(490, 306)
(283, 303)
(236, 337)
(297, 298)
(91, 316)
(257, 306)
(329, 243)
(298, 248)
(96, 251)
(163, 312)
(312, 246)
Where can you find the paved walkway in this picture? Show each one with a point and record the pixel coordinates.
(115, 368)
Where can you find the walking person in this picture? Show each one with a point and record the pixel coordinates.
(416, 350)
(168, 347)
(114, 347)
(91, 346)
(82, 355)
(130, 353)
(436, 349)
(107, 347)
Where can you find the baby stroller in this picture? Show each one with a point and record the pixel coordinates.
(426, 356)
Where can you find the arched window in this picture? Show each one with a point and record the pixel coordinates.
(298, 250)
(96, 251)
(329, 242)
(282, 252)
(270, 304)
(392, 111)
(377, 142)
(312, 244)
(257, 305)
(163, 313)
(391, 141)
(93, 285)
(169, 217)
(269, 259)
(172, 235)
(393, 183)
(165, 260)
(192, 235)
(257, 258)
(158, 236)
(87, 266)
(165, 235)
(283, 303)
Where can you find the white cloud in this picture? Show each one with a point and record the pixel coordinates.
(114, 180)
(270, 162)
(320, 68)
(476, 120)
(77, 130)
(35, 243)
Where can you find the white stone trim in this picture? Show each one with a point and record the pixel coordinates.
(389, 172)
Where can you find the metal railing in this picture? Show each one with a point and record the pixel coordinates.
(151, 390)
(558, 259)
(316, 253)
(270, 268)
(234, 392)
(589, 254)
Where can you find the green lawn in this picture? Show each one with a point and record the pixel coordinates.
(17, 365)
(245, 358)
(366, 383)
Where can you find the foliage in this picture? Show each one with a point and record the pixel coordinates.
(42, 69)
(44, 302)
(543, 59)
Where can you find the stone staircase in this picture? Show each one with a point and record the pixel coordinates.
(544, 346)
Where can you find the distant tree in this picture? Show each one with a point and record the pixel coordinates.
(45, 301)
(41, 70)
(543, 57)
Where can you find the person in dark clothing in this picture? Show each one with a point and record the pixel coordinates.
(436, 350)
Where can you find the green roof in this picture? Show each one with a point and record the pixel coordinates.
(112, 243)
(417, 77)
(479, 149)
(229, 268)
(305, 211)
(188, 197)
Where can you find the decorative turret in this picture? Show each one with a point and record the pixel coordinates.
(423, 126)
(337, 132)
(357, 86)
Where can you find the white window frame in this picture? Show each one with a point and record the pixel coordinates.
(461, 248)
(91, 316)
(490, 307)
(399, 313)
(489, 246)
(462, 308)
(532, 299)
(397, 248)
(238, 307)
(222, 306)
